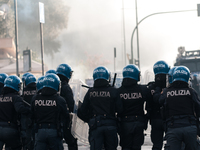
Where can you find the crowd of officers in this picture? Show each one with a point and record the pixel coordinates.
(39, 117)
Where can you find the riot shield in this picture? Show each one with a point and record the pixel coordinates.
(148, 76)
(79, 128)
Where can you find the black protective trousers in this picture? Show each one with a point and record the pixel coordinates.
(177, 136)
(103, 135)
(131, 135)
(69, 138)
(10, 137)
(157, 133)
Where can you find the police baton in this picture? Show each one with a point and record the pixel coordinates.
(26, 103)
(114, 79)
(70, 120)
(85, 86)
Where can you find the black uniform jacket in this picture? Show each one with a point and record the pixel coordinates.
(154, 105)
(1, 87)
(100, 100)
(179, 99)
(28, 92)
(11, 105)
(133, 97)
(48, 106)
(67, 94)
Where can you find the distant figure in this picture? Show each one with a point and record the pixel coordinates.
(195, 84)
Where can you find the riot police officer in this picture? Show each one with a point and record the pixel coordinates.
(133, 119)
(30, 88)
(11, 106)
(170, 75)
(50, 71)
(99, 109)
(181, 108)
(39, 84)
(23, 80)
(64, 72)
(3, 76)
(161, 70)
(158, 89)
(24, 76)
(48, 109)
(28, 92)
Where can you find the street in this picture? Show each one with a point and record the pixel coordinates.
(146, 146)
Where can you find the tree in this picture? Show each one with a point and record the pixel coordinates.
(7, 20)
(56, 18)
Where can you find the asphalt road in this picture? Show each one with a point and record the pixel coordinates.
(146, 146)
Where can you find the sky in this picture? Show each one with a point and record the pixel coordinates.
(95, 27)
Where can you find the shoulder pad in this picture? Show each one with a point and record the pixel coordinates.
(151, 83)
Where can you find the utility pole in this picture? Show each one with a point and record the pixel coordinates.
(138, 54)
(16, 37)
(136, 27)
(42, 21)
(114, 59)
(124, 32)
